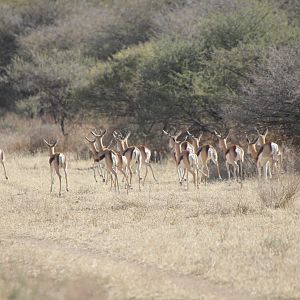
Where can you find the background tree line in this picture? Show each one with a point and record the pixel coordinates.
(153, 64)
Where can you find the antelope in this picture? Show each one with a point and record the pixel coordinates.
(122, 164)
(233, 154)
(145, 155)
(2, 162)
(111, 161)
(100, 147)
(264, 157)
(132, 153)
(185, 160)
(261, 140)
(57, 161)
(276, 156)
(205, 153)
(96, 163)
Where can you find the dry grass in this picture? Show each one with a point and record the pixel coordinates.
(279, 193)
(165, 242)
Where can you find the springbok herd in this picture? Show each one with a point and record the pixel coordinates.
(188, 155)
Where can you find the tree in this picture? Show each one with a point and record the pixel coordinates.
(46, 84)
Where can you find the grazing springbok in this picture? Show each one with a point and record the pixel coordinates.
(111, 161)
(132, 153)
(205, 153)
(57, 161)
(265, 158)
(233, 154)
(2, 162)
(145, 154)
(186, 160)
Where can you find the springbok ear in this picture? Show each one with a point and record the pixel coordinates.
(217, 134)
(178, 134)
(200, 136)
(46, 143)
(128, 135)
(257, 130)
(103, 133)
(227, 135)
(95, 134)
(90, 141)
(255, 141)
(189, 134)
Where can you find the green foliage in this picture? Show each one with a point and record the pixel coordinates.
(158, 63)
(47, 82)
(256, 22)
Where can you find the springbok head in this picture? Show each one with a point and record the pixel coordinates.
(222, 138)
(261, 137)
(99, 136)
(173, 139)
(195, 140)
(51, 146)
(122, 141)
(251, 145)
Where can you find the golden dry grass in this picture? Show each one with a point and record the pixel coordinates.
(220, 242)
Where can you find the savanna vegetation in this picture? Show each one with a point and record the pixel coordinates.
(69, 66)
(148, 65)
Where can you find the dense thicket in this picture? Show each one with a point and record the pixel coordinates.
(153, 64)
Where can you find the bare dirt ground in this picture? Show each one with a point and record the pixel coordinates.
(219, 242)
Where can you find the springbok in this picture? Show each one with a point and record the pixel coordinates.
(185, 160)
(111, 161)
(122, 164)
(264, 157)
(205, 153)
(261, 140)
(233, 154)
(2, 162)
(276, 156)
(100, 147)
(145, 154)
(132, 153)
(57, 161)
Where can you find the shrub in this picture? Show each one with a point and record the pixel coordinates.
(279, 193)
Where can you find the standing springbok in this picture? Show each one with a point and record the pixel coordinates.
(2, 162)
(100, 147)
(111, 161)
(132, 153)
(186, 160)
(205, 153)
(276, 156)
(122, 164)
(261, 140)
(265, 157)
(145, 154)
(233, 154)
(57, 161)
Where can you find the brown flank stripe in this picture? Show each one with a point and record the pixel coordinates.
(261, 149)
(100, 158)
(55, 156)
(231, 148)
(205, 147)
(129, 149)
(185, 152)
